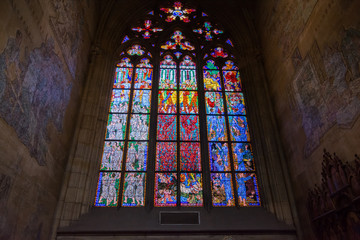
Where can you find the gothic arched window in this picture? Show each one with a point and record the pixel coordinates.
(177, 131)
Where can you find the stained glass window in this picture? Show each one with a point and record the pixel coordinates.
(181, 132)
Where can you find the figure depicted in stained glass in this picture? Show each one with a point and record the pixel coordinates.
(178, 37)
(229, 65)
(135, 50)
(221, 188)
(189, 127)
(191, 189)
(247, 189)
(167, 102)
(238, 128)
(178, 12)
(216, 128)
(119, 101)
(147, 29)
(212, 80)
(232, 80)
(235, 103)
(190, 156)
(134, 189)
(112, 156)
(136, 156)
(139, 127)
(219, 52)
(141, 102)
(116, 127)
(143, 78)
(167, 78)
(243, 157)
(123, 78)
(188, 79)
(219, 158)
(214, 103)
(166, 127)
(165, 189)
(108, 189)
(166, 156)
(188, 102)
(206, 30)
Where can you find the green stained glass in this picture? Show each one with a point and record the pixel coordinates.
(191, 190)
(134, 190)
(107, 189)
(168, 78)
(112, 155)
(116, 127)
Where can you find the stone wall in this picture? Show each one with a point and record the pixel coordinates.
(311, 52)
(44, 47)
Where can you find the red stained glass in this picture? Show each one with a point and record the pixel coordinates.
(166, 127)
(189, 128)
(166, 156)
(232, 80)
(190, 156)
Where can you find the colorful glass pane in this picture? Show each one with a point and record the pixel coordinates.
(189, 128)
(216, 128)
(168, 62)
(229, 65)
(187, 63)
(112, 156)
(188, 102)
(212, 80)
(165, 189)
(190, 156)
(119, 101)
(134, 190)
(147, 29)
(139, 127)
(219, 157)
(143, 78)
(178, 12)
(125, 62)
(107, 189)
(188, 79)
(167, 102)
(168, 78)
(126, 38)
(115, 129)
(243, 157)
(232, 80)
(210, 65)
(136, 156)
(191, 192)
(177, 54)
(135, 50)
(229, 42)
(247, 189)
(222, 191)
(145, 62)
(166, 156)
(141, 101)
(166, 127)
(123, 78)
(214, 103)
(219, 52)
(178, 38)
(239, 129)
(235, 103)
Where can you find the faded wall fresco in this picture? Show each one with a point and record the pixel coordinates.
(33, 93)
(68, 28)
(327, 88)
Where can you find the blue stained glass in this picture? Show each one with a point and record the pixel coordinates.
(243, 157)
(143, 78)
(141, 103)
(123, 77)
(108, 189)
(239, 129)
(126, 38)
(247, 189)
(139, 127)
(222, 191)
(134, 190)
(119, 101)
(189, 128)
(214, 103)
(229, 42)
(235, 103)
(112, 156)
(219, 157)
(136, 156)
(116, 127)
(191, 190)
(216, 128)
